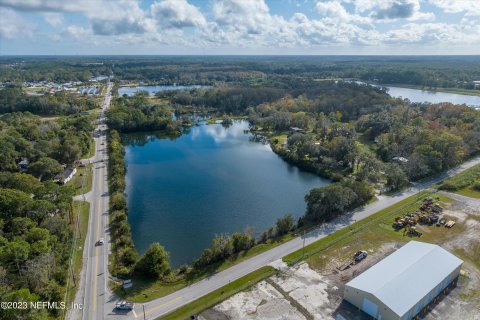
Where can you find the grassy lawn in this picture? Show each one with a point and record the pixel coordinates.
(145, 290)
(469, 192)
(220, 294)
(81, 211)
(367, 231)
(35, 89)
(83, 175)
(463, 182)
(281, 138)
(91, 150)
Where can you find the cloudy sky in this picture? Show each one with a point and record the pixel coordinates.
(239, 27)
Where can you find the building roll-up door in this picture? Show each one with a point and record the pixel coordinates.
(370, 307)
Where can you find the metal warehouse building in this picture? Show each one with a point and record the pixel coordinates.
(402, 284)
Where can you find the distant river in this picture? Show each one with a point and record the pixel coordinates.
(416, 95)
(130, 91)
(212, 180)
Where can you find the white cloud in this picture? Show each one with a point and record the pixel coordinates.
(13, 25)
(470, 7)
(433, 33)
(335, 9)
(246, 24)
(76, 32)
(392, 9)
(54, 19)
(177, 14)
(106, 16)
(250, 16)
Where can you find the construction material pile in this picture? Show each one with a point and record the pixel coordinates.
(428, 214)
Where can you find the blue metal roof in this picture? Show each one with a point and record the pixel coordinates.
(403, 278)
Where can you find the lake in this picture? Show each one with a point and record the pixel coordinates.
(416, 95)
(211, 180)
(130, 91)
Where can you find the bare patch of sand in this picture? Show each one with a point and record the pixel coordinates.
(262, 302)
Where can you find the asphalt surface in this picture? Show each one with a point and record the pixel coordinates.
(164, 305)
(93, 284)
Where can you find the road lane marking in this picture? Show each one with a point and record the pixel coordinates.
(95, 281)
(134, 314)
(163, 304)
(96, 266)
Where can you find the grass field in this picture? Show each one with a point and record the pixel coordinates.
(469, 192)
(367, 231)
(463, 183)
(220, 294)
(83, 175)
(81, 211)
(91, 151)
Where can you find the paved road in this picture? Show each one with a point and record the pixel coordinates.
(93, 283)
(162, 306)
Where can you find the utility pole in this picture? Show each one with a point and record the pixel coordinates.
(303, 248)
(144, 316)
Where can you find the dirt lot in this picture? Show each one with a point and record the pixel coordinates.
(314, 289)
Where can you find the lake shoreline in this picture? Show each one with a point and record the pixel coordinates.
(465, 92)
(171, 182)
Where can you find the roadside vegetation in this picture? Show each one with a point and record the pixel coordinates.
(81, 210)
(373, 229)
(124, 256)
(38, 218)
(36, 224)
(466, 183)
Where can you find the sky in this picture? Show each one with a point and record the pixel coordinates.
(211, 27)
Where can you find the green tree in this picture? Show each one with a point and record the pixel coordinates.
(242, 241)
(45, 168)
(13, 203)
(14, 254)
(154, 263)
(285, 224)
(396, 177)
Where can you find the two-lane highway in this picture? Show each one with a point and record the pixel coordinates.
(93, 287)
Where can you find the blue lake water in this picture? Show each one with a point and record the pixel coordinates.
(130, 91)
(211, 180)
(416, 95)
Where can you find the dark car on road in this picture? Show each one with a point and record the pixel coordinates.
(360, 255)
